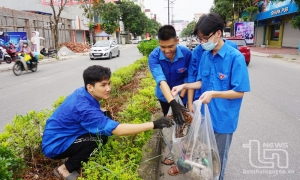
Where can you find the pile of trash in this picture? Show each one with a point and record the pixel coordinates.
(75, 46)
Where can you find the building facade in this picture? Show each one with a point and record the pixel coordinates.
(72, 12)
(140, 3)
(273, 24)
(179, 25)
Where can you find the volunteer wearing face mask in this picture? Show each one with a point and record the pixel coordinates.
(223, 79)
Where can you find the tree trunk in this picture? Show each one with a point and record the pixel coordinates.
(91, 32)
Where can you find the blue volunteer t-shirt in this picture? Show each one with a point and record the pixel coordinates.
(194, 64)
(225, 71)
(174, 73)
(79, 114)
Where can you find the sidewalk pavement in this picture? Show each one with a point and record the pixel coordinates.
(7, 67)
(288, 54)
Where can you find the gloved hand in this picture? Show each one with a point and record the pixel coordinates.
(177, 112)
(162, 122)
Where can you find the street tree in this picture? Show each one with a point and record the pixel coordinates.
(152, 27)
(189, 29)
(57, 10)
(133, 18)
(90, 12)
(296, 20)
(110, 14)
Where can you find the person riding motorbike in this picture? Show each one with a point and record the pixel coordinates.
(26, 49)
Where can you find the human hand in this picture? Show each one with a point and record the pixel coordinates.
(206, 97)
(191, 108)
(177, 112)
(177, 89)
(162, 122)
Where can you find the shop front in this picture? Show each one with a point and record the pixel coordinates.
(273, 24)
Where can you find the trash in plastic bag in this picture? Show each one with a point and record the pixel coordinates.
(167, 132)
(181, 130)
(196, 154)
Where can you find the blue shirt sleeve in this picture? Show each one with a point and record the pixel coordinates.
(94, 121)
(239, 75)
(155, 66)
(194, 65)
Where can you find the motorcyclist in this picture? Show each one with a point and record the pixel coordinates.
(26, 49)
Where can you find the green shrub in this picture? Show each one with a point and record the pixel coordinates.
(146, 47)
(10, 166)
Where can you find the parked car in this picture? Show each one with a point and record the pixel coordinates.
(243, 48)
(192, 43)
(135, 41)
(104, 49)
(184, 39)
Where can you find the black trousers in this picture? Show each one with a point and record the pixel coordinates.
(81, 149)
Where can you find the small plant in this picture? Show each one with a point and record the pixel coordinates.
(10, 166)
(294, 58)
(41, 57)
(276, 56)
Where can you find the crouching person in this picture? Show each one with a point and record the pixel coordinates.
(78, 125)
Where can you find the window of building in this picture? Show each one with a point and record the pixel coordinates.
(275, 30)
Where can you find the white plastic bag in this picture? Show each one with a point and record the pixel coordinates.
(196, 154)
(167, 132)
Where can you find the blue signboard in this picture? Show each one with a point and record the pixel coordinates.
(274, 9)
(12, 38)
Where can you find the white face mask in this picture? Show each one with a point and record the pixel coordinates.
(210, 45)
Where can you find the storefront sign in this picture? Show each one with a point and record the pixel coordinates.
(280, 11)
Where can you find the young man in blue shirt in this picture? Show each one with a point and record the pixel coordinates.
(77, 126)
(193, 70)
(223, 79)
(168, 64)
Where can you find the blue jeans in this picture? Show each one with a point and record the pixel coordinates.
(223, 143)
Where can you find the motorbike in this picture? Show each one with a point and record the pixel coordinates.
(5, 56)
(12, 51)
(50, 53)
(21, 65)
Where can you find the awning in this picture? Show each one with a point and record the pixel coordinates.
(102, 34)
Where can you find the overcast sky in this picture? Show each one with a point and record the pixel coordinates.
(183, 9)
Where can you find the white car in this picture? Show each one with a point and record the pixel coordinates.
(104, 49)
(135, 41)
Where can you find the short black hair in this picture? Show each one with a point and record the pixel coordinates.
(209, 23)
(166, 32)
(95, 73)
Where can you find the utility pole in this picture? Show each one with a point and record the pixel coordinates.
(168, 12)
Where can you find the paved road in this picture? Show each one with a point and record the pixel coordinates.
(270, 120)
(39, 90)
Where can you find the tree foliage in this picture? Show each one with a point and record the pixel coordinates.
(110, 14)
(296, 20)
(189, 29)
(134, 19)
(152, 27)
(90, 10)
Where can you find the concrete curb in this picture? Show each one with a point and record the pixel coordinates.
(286, 57)
(149, 168)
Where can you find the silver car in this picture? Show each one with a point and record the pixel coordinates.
(105, 49)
